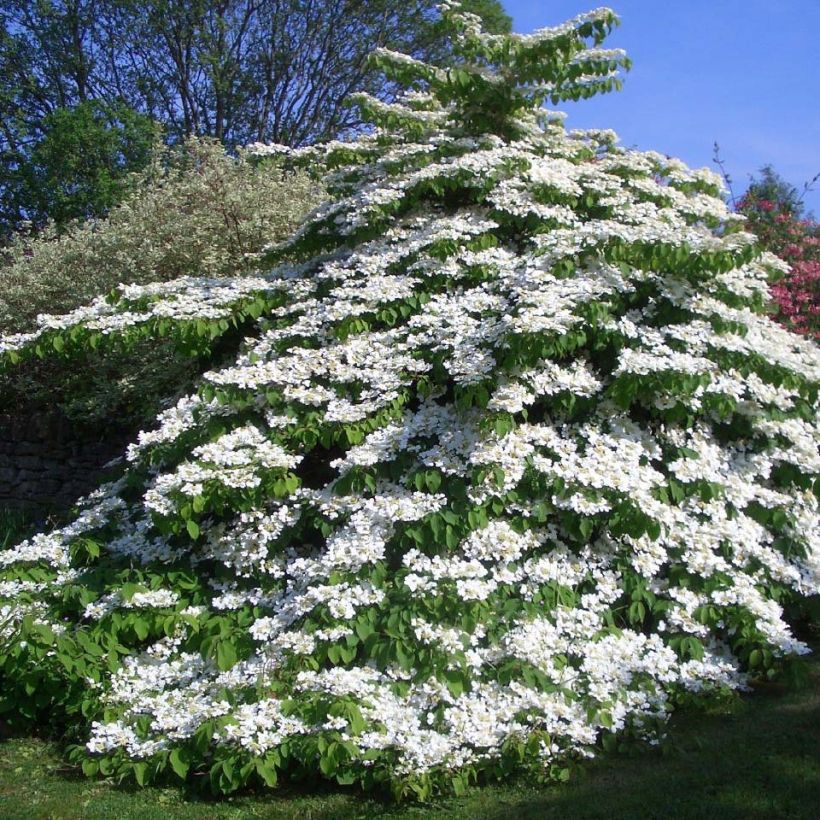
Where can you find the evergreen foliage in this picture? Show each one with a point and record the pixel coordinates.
(510, 462)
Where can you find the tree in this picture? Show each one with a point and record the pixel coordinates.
(778, 194)
(244, 70)
(237, 70)
(509, 461)
(48, 58)
(79, 167)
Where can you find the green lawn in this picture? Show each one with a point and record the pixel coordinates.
(759, 758)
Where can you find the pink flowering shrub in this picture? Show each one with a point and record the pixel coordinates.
(797, 241)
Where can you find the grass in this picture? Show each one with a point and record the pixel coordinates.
(758, 757)
(15, 525)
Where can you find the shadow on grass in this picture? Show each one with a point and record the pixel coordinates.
(758, 759)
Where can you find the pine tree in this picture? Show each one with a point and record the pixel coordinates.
(510, 462)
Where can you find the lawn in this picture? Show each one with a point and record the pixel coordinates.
(756, 758)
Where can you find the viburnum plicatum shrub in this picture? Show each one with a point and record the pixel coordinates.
(797, 241)
(510, 461)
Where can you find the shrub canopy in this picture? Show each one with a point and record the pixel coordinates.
(194, 210)
(510, 461)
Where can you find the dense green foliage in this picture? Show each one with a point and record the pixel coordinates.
(78, 167)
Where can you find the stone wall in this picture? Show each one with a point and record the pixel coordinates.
(45, 465)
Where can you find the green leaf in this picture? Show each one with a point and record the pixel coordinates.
(140, 627)
(585, 527)
(193, 528)
(267, 771)
(455, 681)
(364, 629)
(225, 655)
(90, 768)
(637, 612)
(180, 760)
(432, 480)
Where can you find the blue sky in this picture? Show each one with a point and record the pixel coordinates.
(743, 72)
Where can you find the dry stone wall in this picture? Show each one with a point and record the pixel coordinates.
(46, 465)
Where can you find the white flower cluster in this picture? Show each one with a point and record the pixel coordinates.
(182, 300)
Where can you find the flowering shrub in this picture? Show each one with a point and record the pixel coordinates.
(796, 241)
(510, 462)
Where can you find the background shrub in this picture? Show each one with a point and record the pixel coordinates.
(194, 210)
(776, 216)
